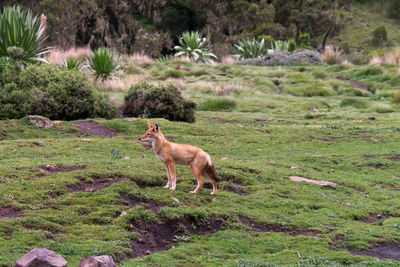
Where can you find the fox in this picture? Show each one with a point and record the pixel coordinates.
(170, 154)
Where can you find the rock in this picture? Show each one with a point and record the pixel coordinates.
(175, 199)
(314, 110)
(302, 179)
(127, 158)
(123, 213)
(41, 257)
(371, 118)
(292, 167)
(97, 261)
(40, 121)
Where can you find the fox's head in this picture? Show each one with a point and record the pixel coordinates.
(152, 133)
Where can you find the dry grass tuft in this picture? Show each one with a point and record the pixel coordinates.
(121, 84)
(138, 57)
(58, 56)
(229, 60)
(332, 56)
(217, 89)
(177, 82)
(390, 57)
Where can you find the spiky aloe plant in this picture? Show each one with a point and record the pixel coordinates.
(280, 45)
(72, 64)
(22, 35)
(193, 45)
(104, 63)
(250, 48)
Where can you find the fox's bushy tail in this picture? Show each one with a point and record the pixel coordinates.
(212, 173)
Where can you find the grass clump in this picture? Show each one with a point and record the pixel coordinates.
(317, 89)
(332, 56)
(158, 101)
(355, 102)
(219, 104)
(396, 97)
(104, 63)
(172, 73)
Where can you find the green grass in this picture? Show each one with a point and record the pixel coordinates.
(253, 142)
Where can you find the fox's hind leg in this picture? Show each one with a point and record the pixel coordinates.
(212, 180)
(197, 173)
(169, 183)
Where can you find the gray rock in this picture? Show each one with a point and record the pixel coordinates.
(40, 121)
(42, 257)
(97, 261)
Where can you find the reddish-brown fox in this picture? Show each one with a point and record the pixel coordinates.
(172, 153)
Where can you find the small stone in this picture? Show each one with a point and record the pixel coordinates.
(224, 158)
(85, 139)
(41, 257)
(127, 158)
(97, 261)
(123, 213)
(371, 117)
(292, 167)
(314, 110)
(78, 148)
(240, 125)
(347, 204)
(175, 199)
(148, 252)
(332, 170)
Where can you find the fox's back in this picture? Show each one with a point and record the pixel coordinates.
(185, 154)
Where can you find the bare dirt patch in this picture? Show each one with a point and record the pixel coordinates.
(93, 128)
(159, 237)
(99, 183)
(154, 206)
(9, 213)
(374, 218)
(389, 250)
(395, 158)
(257, 227)
(52, 169)
(369, 156)
(247, 170)
(377, 165)
(223, 121)
(354, 83)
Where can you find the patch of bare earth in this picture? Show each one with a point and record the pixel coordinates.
(395, 158)
(156, 237)
(388, 250)
(354, 83)
(53, 169)
(234, 185)
(99, 183)
(223, 121)
(9, 213)
(247, 170)
(154, 206)
(257, 227)
(93, 128)
(374, 218)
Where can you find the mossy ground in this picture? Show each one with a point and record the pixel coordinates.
(253, 145)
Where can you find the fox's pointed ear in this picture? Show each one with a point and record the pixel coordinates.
(149, 124)
(156, 127)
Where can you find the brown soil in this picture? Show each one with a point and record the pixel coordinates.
(395, 158)
(52, 169)
(98, 184)
(248, 170)
(376, 165)
(389, 250)
(235, 189)
(220, 120)
(257, 227)
(369, 156)
(354, 83)
(230, 178)
(154, 206)
(93, 128)
(159, 237)
(374, 218)
(9, 213)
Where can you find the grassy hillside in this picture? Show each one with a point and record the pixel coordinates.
(66, 191)
(361, 21)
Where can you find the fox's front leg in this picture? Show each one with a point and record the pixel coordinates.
(171, 166)
(169, 177)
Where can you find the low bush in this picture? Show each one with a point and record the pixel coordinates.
(379, 35)
(221, 104)
(358, 103)
(285, 58)
(158, 101)
(58, 94)
(332, 56)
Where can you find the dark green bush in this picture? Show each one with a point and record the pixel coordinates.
(379, 35)
(158, 101)
(217, 105)
(48, 91)
(292, 45)
(305, 41)
(393, 9)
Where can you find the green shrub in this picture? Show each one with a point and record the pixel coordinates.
(172, 73)
(318, 89)
(379, 35)
(250, 48)
(280, 45)
(305, 41)
(292, 46)
(193, 45)
(268, 39)
(218, 104)
(22, 35)
(48, 91)
(345, 47)
(393, 9)
(104, 63)
(158, 101)
(358, 103)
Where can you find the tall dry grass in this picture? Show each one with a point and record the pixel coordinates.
(229, 60)
(333, 55)
(122, 83)
(389, 57)
(138, 57)
(57, 56)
